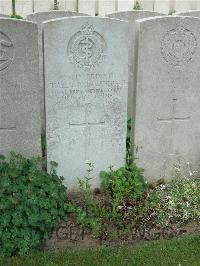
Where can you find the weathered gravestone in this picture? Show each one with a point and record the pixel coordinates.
(131, 17)
(86, 74)
(3, 15)
(20, 125)
(167, 110)
(39, 18)
(190, 13)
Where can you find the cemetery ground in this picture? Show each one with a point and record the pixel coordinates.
(39, 215)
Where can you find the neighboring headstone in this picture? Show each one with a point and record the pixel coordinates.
(167, 110)
(3, 15)
(39, 18)
(131, 17)
(106, 7)
(183, 5)
(190, 13)
(20, 125)
(87, 7)
(86, 76)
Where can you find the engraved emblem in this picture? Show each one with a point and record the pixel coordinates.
(178, 46)
(86, 48)
(6, 51)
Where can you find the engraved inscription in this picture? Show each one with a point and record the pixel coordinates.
(86, 48)
(6, 51)
(178, 46)
(7, 128)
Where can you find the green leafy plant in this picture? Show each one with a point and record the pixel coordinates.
(124, 183)
(32, 204)
(14, 14)
(56, 5)
(137, 6)
(172, 12)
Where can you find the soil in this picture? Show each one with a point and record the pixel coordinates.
(71, 235)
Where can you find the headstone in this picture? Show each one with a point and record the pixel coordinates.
(5, 7)
(3, 15)
(107, 6)
(39, 18)
(87, 7)
(86, 74)
(190, 13)
(24, 7)
(131, 17)
(167, 109)
(124, 5)
(147, 4)
(165, 7)
(20, 125)
(183, 5)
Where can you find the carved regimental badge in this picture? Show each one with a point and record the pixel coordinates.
(178, 46)
(6, 51)
(86, 48)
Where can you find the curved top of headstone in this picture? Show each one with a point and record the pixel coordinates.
(167, 18)
(48, 15)
(189, 13)
(3, 15)
(137, 13)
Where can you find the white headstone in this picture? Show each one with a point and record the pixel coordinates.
(39, 18)
(87, 7)
(147, 4)
(190, 13)
(125, 5)
(131, 17)
(5, 7)
(166, 6)
(4, 16)
(183, 5)
(20, 125)
(167, 110)
(24, 7)
(86, 74)
(107, 6)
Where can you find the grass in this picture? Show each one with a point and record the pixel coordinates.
(179, 252)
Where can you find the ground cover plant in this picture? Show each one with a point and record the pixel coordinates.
(184, 252)
(32, 204)
(126, 207)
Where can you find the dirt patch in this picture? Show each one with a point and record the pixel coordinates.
(72, 235)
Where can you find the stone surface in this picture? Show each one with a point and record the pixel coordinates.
(3, 15)
(167, 112)
(190, 13)
(131, 17)
(20, 125)
(86, 76)
(39, 18)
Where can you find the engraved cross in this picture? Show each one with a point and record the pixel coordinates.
(173, 119)
(87, 125)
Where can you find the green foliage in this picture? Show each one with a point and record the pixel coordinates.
(129, 150)
(16, 16)
(179, 200)
(172, 12)
(183, 252)
(137, 6)
(43, 143)
(124, 183)
(119, 187)
(32, 204)
(56, 5)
